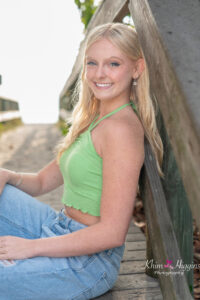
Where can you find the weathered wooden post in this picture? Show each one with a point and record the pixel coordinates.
(173, 57)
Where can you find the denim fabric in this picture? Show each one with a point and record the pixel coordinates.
(48, 278)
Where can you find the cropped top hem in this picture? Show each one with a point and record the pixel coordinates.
(84, 210)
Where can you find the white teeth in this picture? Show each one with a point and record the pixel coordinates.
(103, 84)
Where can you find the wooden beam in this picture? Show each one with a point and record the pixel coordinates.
(180, 122)
(177, 202)
(161, 232)
(108, 11)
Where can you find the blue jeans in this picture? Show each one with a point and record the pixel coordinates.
(49, 278)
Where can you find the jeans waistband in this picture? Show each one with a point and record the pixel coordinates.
(70, 220)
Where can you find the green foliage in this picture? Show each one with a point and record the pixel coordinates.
(63, 126)
(8, 125)
(87, 9)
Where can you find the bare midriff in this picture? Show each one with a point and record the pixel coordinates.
(80, 216)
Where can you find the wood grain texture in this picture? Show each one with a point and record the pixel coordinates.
(161, 232)
(177, 203)
(126, 282)
(180, 122)
(133, 246)
(136, 294)
(135, 237)
(134, 267)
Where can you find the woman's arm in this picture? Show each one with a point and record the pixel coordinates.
(34, 184)
(123, 156)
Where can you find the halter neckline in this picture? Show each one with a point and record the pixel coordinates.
(92, 125)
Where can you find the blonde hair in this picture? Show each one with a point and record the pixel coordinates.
(86, 109)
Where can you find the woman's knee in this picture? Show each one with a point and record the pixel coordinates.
(18, 207)
(9, 199)
(13, 197)
(10, 194)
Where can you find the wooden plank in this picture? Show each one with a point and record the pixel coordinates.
(136, 294)
(133, 246)
(177, 204)
(134, 229)
(182, 46)
(134, 255)
(162, 236)
(167, 89)
(136, 267)
(108, 11)
(135, 237)
(125, 282)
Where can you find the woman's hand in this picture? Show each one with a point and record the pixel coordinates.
(12, 247)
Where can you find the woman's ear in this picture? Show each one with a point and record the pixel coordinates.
(139, 68)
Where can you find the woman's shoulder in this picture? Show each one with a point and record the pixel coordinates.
(124, 133)
(123, 127)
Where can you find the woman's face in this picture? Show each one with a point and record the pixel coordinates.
(108, 71)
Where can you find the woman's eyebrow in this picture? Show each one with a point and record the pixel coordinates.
(116, 57)
(89, 57)
(111, 57)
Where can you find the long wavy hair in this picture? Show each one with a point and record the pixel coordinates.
(125, 38)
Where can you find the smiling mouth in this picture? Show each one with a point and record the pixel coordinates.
(103, 85)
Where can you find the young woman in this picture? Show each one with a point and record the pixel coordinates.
(76, 253)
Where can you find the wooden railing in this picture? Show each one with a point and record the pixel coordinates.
(168, 202)
(9, 110)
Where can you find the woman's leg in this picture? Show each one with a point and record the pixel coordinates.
(46, 278)
(72, 278)
(20, 214)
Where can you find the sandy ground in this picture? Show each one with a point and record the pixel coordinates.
(29, 148)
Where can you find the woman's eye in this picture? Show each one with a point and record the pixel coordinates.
(91, 63)
(114, 64)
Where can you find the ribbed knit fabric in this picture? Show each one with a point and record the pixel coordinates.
(81, 167)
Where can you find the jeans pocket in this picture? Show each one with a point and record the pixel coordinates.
(100, 287)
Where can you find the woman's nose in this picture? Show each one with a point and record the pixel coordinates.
(100, 72)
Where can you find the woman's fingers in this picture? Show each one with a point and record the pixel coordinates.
(12, 247)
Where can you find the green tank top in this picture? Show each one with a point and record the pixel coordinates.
(81, 167)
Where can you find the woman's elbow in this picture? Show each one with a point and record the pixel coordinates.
(120, 242)
(112, 236)
(117, 240)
